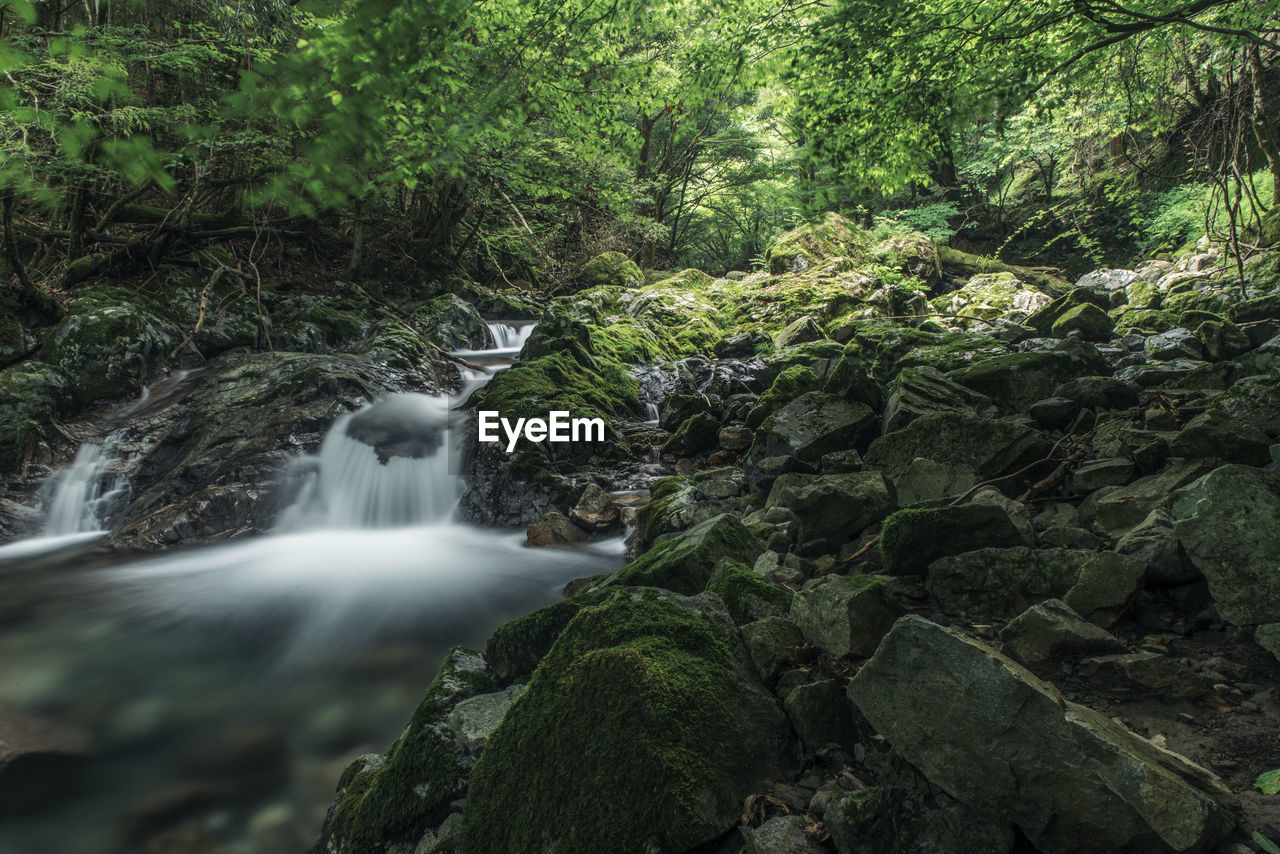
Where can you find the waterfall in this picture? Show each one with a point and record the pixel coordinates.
(83, 490)
(509, 336)
(651, 413)
(384, 466)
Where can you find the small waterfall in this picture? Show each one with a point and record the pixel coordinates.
(651, 413)
(509, 336)
(385, 466)
(83, 490)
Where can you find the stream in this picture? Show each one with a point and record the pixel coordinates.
(211, 696)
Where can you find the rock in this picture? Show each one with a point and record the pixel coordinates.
(1019, 515)
(744, 345)
(767, 642)
(384, 803)
(820, 715)
(610, 269)
(31, 394)
(1154, 542)
(746, 596)
(784, 388)
(911, 540)
(804, 247)
(987, 582)
(1016, 380)
(451, 323)
(762, 474)
(1091, 322)
(1222, 340)
(1108, 280)
(1174, 344)
(1254, 402)
(735, 438)
(1268, 637)
(595, 510)
(845, 615)
(907, 820)
(801, 331)
(678, 408)
(813, 425)
(1229, 524)
(1042, 319)
(39, 761)
(473, 721)
(1124, 507)
(698, 433)
(1107, 586)
(554, 529)
(1156, 673)
(515, 648)
(922, 390)
(1069, 777)
(664, 682)
(686, 563)
(992, 296)
(782, 835)
(1092, 475)
(925, 480)
(679, 503)
(1051, 630)
(990, 448)
(832, 505)
(1215, 435)
(1054, 413)
(1098, 393)
(840, 462)
(719, 484)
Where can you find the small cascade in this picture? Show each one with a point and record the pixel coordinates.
(651, 413)
(509, 336)
(84, 490)
(385, 466)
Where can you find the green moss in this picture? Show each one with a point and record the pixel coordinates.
(31, 393)
(787, 386)
(558, 381)
(747, 596)
(610, 269)
(803, 247)
(634, 734)
(686, 563)
(690, 279)
(1144, 320)
(516, 647)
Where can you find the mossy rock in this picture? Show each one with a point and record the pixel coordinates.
(910, 540)
(747, 596)
(686, 563)
(31, 393)
(383, 804)
(696, 434)
(1090, 321)
(690, 279)
(558, 381)
(610, 269)
(452, 323)
(1043, 319)
(1016, 380)
(1147, 321)
(804, 247)
(515, 648)
(1258, 308)
(992, 296)
(989, 447)
(813, 425)
(786, 387)
(643, 729)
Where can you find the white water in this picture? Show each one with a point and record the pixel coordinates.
(83, 490)
(509, 339)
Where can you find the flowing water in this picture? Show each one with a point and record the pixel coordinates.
(215, 693)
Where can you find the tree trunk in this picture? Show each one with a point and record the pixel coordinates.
(1263, 129)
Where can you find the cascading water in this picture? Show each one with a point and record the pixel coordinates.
(83, 490)
(509, 336)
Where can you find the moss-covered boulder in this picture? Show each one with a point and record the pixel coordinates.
(610, 269)
(452, 323)
(912, 539)
(801, 331)
(31, 393)
(919, 391)
(686, 563)
(747, 596)
(832, 505)
(697, 433)
(786, 387)
(643, 729)
(1016, 380)
(813, 425)
(1089, 320)
(385, 804)
(1043, 319)
(515, 648)
(989, 447)
(989, 582)
(992, 296)
(805, 247)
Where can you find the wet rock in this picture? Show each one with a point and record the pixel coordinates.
(1222, 340)
(747, 596)
(554, 529)
(515, 648)
(686, 563)
(1228, 521)
(1017, 380)
(902, 820)
(832, 505)
(813, 425)
(679, 503)
(744, 345)
(801, 331)
(1051, 630)
(1013, 749)
(845, 615)
(595, 510)
(990, 448)
(474, 720)
(39, 761)
(735, 438)
(452, 323)
(1107, 586)
(1054, 413)
(1148, 671)
(782, 835)
(994, 581)
(922, 390)
(662, 680)
(678, 408)
(926, 480)
(763, 473)
(820, 715)
(1089, 320)
(31, 394)
(767, 642)
(913, 539)
(698, 433)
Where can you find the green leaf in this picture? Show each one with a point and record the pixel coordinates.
(1267, 846)
(1269, 782)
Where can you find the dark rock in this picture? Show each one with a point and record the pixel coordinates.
(1154, 542)
(451, 323)
(39, 762)
(990, 448)
(820, 715)
(686, 563)
(1098, 393)
(762, 474)
(744, 345)
(1054, 413)
(1017, 380)
(832, 505)
(1050, 630)
(845, 615)
(1174, 344)
(595, 510)
(911, 820)
(801, 331)
(782, 835)
(1107, 586)
(1147, 671)
(922, 390)
(554, 529)
(813, 425)
(767, 642)
(911, 540)
(698, 433)
(736, 438)
(991, 581)
(679, 408)
(1089, 320)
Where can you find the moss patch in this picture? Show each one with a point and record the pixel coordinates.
(747, 596)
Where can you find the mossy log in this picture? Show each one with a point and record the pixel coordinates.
(964, 264)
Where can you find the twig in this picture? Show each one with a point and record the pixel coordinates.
(204, 301)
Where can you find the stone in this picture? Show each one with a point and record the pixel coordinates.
(1054, 413)
(1228, 521)
(990, 734)
(1110, 280)
(921, 390)
(679, 503)
(679, 408)
(1154, 542)
(911, 540)
(744, 345)
(595, 510)
(1124, 507)
(1107, 586)
(554, 529)
(832, 505)
(801, 331)
(781, 835)
(925, 480)
(663, 681)
(686, 563)
(1151, 671)
(1267, 636)
(1092, 475)
(1174, 344)
(610, 269)
(1222, 340)
(767, 642)
(736, 438)
(989, 447)
(452, 323)
(1098, 393)
(1089, 320)
(763, 473)
(515, 648)
(840, 462)
(813, 425)
(1215, 435)
(474, 720)
(912, 820)
(748, 597)
(845, 615)
(988, 582)
(1051, 630)
(820, 715)
(698, 433)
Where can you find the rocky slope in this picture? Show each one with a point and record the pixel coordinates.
(938, 564)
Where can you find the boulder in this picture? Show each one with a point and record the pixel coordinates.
(663, 681)
(845, 615)
(698, 433)
(610, 269)
(912, 819)
(782, 835)
(686, 563)
(1107, 586)
(1174, 344)
(1143, 672)
(910, 540)
(832, 505)
(1089, 320)
(554, 529)
(1016, 380)
(926, 480)
(813, 425)
(1051, 630)
(1215, 435)
(1229, 523)
(921, 390)
(744, 345)
(801, 331)
(820, 715)
(1093, 475)
(473, 720)
(452, 323)
(679, 408)
(1098, 393)
(515, 648)
(767, 642)
(1153, 542)
(989, 582)
(1122, 508)
(746, 596)
(990, 734)
(595, 510)
(989, 447)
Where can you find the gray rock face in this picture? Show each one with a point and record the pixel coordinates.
(913, 539)
(986, 581)
(845, 615)
(474, 720)
(1052, 630)
(919, 391)
(925, 480)
(802, 331)
(1154, 542)
(832, 504)
(992, 735)
(1125, 507)
(990, 448)
(1176, 343)
(813, 425)
(1229, 523)
(910, 820)
(1107, 585)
